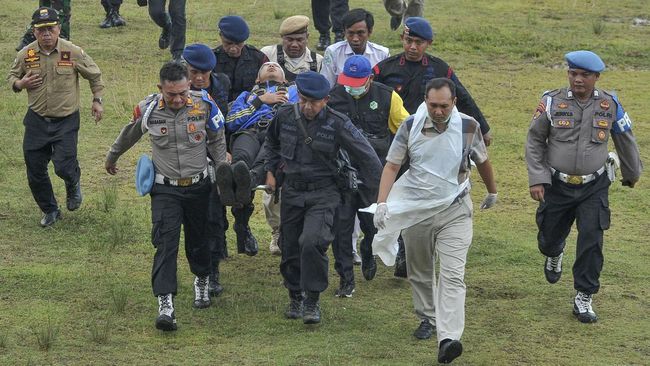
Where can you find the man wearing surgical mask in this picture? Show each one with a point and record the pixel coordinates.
(377, 111)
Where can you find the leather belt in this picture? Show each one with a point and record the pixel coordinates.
(576, 179)
(53, 119)
(310, 186)
(182, 182)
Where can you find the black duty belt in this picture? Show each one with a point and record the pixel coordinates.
(576, 179)
(310, 186)
(182, 182)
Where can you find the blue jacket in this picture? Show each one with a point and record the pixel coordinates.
(247, 110)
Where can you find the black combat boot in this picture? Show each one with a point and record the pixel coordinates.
(294, 309)
(214, 287)
(108, 21)
(163, 41)
(311, 308)
(323, 41)
(246, 242)
(243, 180)
(73, 196)
(338, 36)
(118, 21)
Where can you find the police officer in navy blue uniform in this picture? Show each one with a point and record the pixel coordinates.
(410, 71)
(305, 137)
(239, 61)
(570, 171)
(377, 111)
(200, 62)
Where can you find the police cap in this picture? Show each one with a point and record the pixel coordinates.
(234, 28)
(418, 27)
(312, 85)
(200, 56)
(585, 60)
(44, 17)
(356, 71)
(294, 25)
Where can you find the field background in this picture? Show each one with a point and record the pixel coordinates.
(80, 293)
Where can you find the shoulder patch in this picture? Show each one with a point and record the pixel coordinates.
(551, 93)
(541, 109)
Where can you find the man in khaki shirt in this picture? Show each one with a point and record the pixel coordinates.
(49, 70)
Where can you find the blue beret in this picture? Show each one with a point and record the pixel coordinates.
(585, 60)
(234, 28)
(312, 85)
(418, 27)
(200, 56)
(144, 175)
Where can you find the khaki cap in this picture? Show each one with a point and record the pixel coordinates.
(294, 24)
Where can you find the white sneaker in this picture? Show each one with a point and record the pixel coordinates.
(582, 308)
(356, 258)
(166, 316)
(553, 268)
(274, 248)
(201, 292)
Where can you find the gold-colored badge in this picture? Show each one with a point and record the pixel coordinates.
(604, 105)
(602, 123)
(563, 105)
(191, 128)
(602, 135)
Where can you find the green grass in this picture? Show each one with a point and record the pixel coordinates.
(84, 285)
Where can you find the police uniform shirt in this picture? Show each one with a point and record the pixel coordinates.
(294, 65)
(572, 137)
(473, 145)
(329, 131)
(336, 54)
(409, 79)
(241, 71)
(178, 138)
(58, 95)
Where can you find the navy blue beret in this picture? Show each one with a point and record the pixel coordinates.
(200, 56)
(234, 28)
(418, 27)
(312, 85)
(585, 60)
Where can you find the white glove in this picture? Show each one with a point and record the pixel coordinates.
(381, 215)
(489, 201)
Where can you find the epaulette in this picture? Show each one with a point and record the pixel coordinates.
(383, 86)
(610, 93)
(338, 114)
(551, 93)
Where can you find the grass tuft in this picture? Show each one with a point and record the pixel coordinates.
(100, 332)
(109, 197)
(120, 298)
(3, 340)
(598, 26)
(46, 336)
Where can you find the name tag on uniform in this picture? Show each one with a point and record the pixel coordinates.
(64, 63)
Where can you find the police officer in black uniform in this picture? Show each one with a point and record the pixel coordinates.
(200, 62)
(306, 137)
(239, 61)
(410, 71)
(377, 111)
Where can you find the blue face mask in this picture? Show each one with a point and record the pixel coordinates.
(355, 92)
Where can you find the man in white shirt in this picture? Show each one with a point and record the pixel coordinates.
(358, 25)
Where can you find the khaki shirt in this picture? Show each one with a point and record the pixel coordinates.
(58, 95)
(572, 136)
(294, 65)
(178, 137)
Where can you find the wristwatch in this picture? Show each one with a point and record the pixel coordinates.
(97, 99)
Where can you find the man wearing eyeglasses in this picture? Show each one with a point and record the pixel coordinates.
(49, 69)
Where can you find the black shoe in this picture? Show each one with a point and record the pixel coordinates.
(242, 179)
(177, 56)
(163, 41)
(553, 268)
(323, 42)
(449, 350)
(50, 218)
(346, 289)
(395, 22)
(582, 308)
(311, 311)
(108, 21)
(214, 287)
(246, 242)
(224, 183)
(117, 19)
(368, 263)
(26, 40)
(425, 330)
(201, 293)
(73, 196)
(338, 36)
(294, 309)
(166, 319)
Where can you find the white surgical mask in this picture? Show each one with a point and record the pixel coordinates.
(355, 92)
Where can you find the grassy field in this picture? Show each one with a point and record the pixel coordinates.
(80, 292)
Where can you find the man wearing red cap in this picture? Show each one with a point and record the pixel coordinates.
(377, 111)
